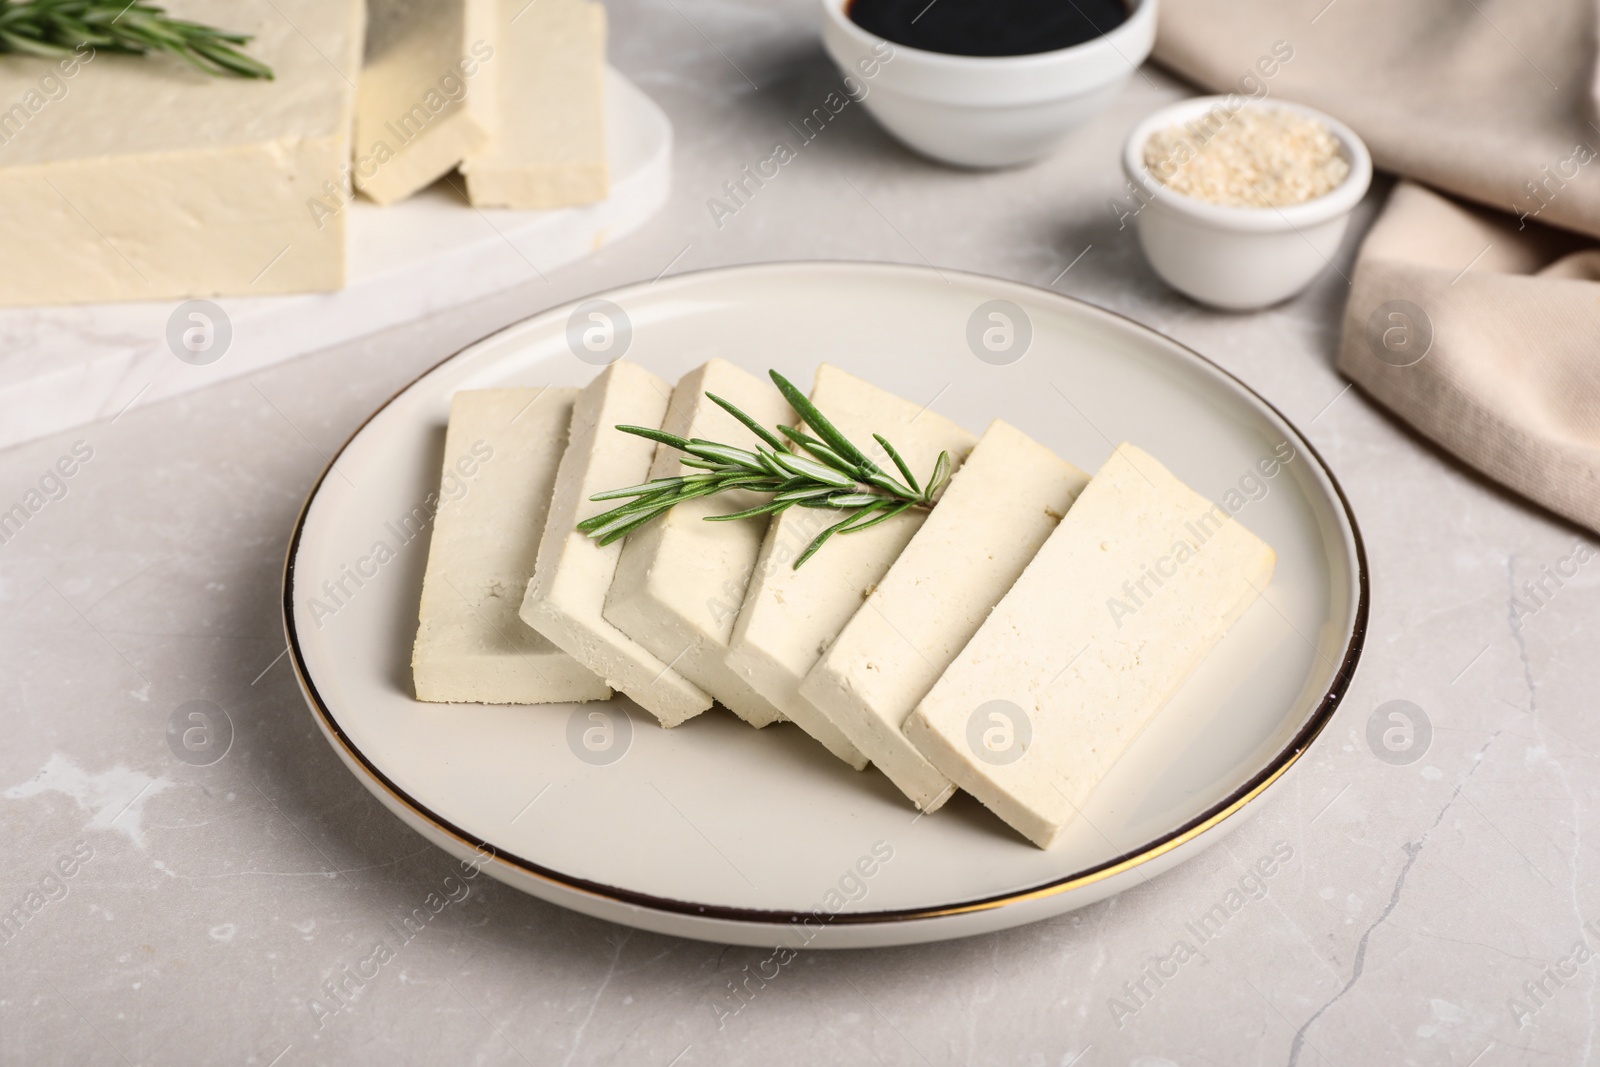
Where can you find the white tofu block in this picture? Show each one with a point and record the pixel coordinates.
(1138, 583)
(547, 144)
(790, 615)
(501, 451)
(425, 84)
(140, 178)
(680, 580)
(567, 595)
(1000, 507)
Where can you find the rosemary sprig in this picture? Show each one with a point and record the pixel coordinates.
(794, 468)
(56, 28)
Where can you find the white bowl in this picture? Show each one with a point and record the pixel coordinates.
(985, 111)
(1239, 258)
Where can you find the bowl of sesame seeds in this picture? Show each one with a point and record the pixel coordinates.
(1240, 203)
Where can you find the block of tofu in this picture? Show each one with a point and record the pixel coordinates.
(1000, 507)
(547, 145)
(1137, 584)
(680, 580)
(140, 178)
(501, 451)
(790, 615)
(566, 597)
(424, 90)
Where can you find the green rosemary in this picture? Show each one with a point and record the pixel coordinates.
(57, 28)
(795, 469)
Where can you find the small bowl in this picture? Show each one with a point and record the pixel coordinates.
(986, 111)
(1239, 258)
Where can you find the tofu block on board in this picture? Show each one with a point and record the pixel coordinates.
(1138, 583)
(791, 615)
(1000, 507)
(547, 144)
(140, 178)
(501, 450)
(425, 84)
(680, 580)
(566, 598)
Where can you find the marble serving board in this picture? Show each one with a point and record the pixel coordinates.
(65, 366)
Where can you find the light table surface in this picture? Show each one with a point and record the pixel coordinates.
(208, 906)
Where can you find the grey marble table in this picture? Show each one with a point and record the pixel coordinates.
(1432, 912)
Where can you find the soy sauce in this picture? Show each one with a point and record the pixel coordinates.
(988, 27)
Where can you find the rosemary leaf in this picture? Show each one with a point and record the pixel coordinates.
(620, 532)
(821, 539)
(817, 420)
(640, 490)
(11, 42)
(905, 470)
(710, 450)
(625, 521)
(226, 59)
(660, 436)
(941, 474)
(832, 459)
(707, 488)
(853, 500)
(888, 485)
(766, 435)
(804, 494)
(883, 516)
(771, 507)
(808, 468)
(759, 483)
(860, 517)
(60, 27)
(798, 437)
(598, 524)
(770, 461)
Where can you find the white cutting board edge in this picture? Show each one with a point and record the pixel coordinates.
(71, 365)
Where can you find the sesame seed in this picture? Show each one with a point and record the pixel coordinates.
(1253, 157)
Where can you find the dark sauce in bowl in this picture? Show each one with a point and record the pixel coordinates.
(988, 27)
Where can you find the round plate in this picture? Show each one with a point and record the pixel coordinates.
(716, 831)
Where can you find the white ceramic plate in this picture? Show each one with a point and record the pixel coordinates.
(717, 831)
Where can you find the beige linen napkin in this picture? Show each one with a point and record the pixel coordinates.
(1498, 361)
(1480, 329)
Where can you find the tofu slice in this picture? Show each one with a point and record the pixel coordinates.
(1138, 583)
(425, 85)
(1000, 507)
(500, 456)
(567, 595)
(791, 616)
(680, 580)
(547, 146)
(140, 178)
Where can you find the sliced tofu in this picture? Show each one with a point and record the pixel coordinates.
(140, 178)
(999, 509)
(547, 147)
(790, 615)
(425, 85)
(680, 580)
(1138, 583)
(501, 451)
(566, 597)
